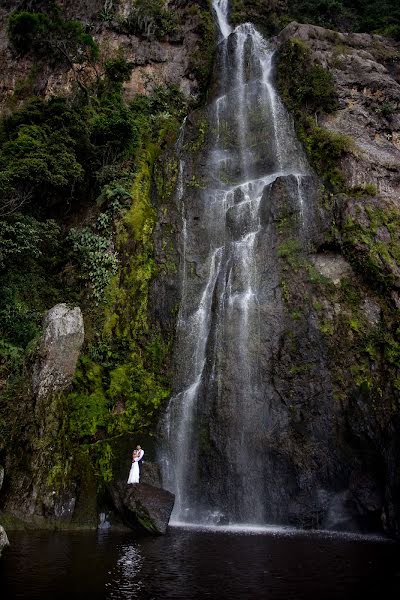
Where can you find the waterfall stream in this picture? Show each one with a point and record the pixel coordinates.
(214, 459)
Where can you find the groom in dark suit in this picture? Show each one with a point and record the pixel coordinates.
(140, 461)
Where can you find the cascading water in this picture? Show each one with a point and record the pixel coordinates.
(215, 457)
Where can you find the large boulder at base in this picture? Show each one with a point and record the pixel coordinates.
(63, 335)
(151, 474)
(142, 506)
(3, 539)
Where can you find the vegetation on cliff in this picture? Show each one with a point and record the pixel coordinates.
(308, 91)
(357, 311)
(342, 15)
(77, 194)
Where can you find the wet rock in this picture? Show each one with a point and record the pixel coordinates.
(366, 492)
(308, 510)
(151, 474)
(3, 539)
(332, 266)
(59, 506)
(63, 335)
(143, 506)
(372, 311)
(358, 508)
(104, 523)
(365, 82)
(342, 514)
(1, 476)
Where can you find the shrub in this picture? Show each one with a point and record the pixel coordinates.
(150, 18)
(304, 85)
(23, 237)
(308, 90)
(118, 69)
(50, 37)
(96, 258)
(39, 154)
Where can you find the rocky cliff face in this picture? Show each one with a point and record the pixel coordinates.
(366, 76)
(322, 441)
(169, 59)
(50, 480)
(355, 288)
(329, 433)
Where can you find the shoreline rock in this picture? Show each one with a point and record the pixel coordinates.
(4, 542)
(142, 506)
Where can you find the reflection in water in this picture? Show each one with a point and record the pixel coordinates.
(125, 579)
(188, 564)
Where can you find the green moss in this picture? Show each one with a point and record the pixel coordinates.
(376, 259)
(269, 17)
(50, 37)
(307, 90)
(124, 387)
(202, 56)
(327, 327)
(291, 252)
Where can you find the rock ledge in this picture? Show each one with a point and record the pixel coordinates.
(142, 506)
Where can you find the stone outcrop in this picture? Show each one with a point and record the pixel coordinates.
(3, 539)
(63, 335)
(151, 474)
(366, 74)
(142, 506)
(155, 62)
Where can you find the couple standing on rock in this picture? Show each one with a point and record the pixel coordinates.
(136, 468)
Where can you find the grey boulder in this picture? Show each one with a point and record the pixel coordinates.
(63, 335)
(3, 539)
(142, 506)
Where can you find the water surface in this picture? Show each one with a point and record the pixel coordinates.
(192, 564)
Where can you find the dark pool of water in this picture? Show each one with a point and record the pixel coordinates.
(193, 564)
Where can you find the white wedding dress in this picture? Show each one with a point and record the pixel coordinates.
(134, 472)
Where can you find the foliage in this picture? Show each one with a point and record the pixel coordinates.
(122, 378)
(29, 252)
(349, 15)
(271, 16)
(96, 258)
(47, 147)
(308, 90)
(118, 69)
(23, 238)
(150, 19)
(304, 84)
(201, 58)
(377, 258)
(50, 36)
(325, 149)
(120, 386)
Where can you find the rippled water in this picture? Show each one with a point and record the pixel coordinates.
(193, 564)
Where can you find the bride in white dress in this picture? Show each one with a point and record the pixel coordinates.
(134, 472)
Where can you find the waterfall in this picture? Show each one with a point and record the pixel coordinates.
(222, 410)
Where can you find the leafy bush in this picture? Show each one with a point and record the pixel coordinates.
(39, 154)
(29, 258)
(23, 237)
(350, 15)
(50, 37)
(150, 18)
(380, 16)
(308, 90)
(302, 84)
(96, 258)
(118, 69)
